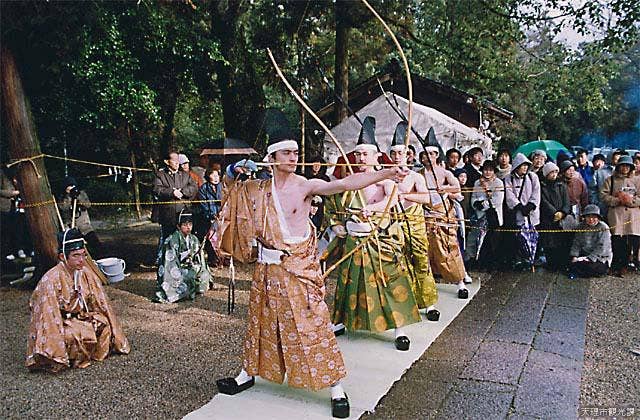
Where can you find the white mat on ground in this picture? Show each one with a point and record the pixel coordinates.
(373, 365)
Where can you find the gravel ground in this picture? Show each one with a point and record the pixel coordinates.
(179, 350)
(611, 371)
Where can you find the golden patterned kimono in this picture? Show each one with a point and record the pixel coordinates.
(374, 290)
(417, 251)
(444, 250)
(69, 328)
(288, 324)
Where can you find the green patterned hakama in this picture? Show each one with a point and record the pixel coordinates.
(374, 291)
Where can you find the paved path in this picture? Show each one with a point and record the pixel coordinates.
(516, 351)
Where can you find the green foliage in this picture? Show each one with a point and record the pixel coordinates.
(106, 71)
(108, 77)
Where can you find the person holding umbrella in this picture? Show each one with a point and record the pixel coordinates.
(522, 196)
(487, 200)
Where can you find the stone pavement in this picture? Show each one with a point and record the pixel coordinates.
(516, 351)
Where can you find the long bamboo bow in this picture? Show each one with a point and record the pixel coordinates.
(337, 144)
(406, 137)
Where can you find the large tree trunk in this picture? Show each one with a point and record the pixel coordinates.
(241, 92)
(341, 76)
(168, 105)
(41, 220)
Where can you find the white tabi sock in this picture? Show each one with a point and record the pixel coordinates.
(461, 285)
(337, 391)
(243, 377)
(337, 327)
(427, 309)
(399, 332)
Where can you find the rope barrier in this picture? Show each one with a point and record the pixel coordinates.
(430, 219)
(131, 168)
(68, 159)
(450, 221)
(123, 203)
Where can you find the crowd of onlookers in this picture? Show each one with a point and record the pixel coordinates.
(587, 211)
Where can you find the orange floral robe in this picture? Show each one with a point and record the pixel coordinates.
(70, 329)
(288, 329)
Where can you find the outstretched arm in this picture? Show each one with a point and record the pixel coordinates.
(353, 182)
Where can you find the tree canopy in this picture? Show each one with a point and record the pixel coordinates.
(121, 78)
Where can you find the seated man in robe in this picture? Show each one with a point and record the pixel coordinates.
(72, 322)
(374, 290)
(183, 270)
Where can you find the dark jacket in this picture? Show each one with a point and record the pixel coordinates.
(553, 198)
(209, 191)
(473, 175)
(163, 187)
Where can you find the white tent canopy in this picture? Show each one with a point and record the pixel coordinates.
(449, 132)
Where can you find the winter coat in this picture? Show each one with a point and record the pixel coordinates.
(623, 219)
(209, 191)
(595, 185)
(586, 172)
(473, 174)
(594, 242)
(163, 187)
(496, 190)
(527, 188)
(553, 198)
(577, 190)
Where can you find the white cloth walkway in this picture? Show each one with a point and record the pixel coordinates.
(373, 365)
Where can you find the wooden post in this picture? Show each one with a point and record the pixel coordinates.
(21, 135)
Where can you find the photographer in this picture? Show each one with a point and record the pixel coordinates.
(70, 193)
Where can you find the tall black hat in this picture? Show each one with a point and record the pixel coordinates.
(278, 130)
(368, 133)
(70, 240)
(432, 142)
(399, 134)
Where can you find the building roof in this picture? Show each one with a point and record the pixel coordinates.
(462, 106)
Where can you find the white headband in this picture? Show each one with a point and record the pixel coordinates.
(432, 149)
(398, 148)
(282, 145)
(363, 147)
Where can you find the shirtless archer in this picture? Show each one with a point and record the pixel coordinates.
(288, 329)
(413, 225)
(444, 251)
(374, 289)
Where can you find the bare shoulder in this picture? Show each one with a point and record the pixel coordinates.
(386, 183)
